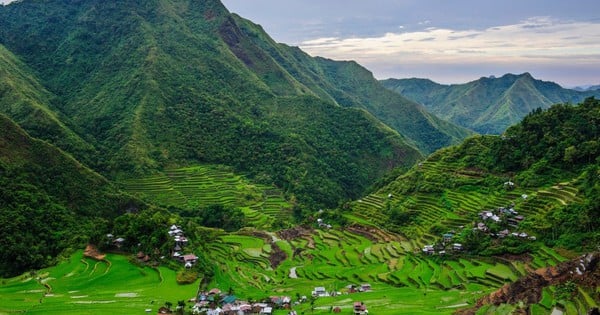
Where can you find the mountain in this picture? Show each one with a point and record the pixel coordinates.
(169, 83)
(488, 105)
(547, 167)
(49, 200)
(344, 82)
(587, 88)
(28, 103)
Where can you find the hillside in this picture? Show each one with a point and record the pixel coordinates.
(174, 83)
(28, 103)
(50, 201)
(487, 105)
(344, 82)
(545, 169)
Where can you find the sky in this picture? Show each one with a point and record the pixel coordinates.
(448, 41)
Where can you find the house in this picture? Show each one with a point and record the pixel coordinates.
(119, 242)
(482, 227)
(191, 258)
(457, 246)
(484, 215)
(267, 310)
(448, 237)
(428, 249)
(360, 308)
(365, 287)
(164, 310)
(320, 291)
(352, 288)
(503, 233)
(214, 311)
(214, 291)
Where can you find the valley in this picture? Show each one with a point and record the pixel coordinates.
(203, 165)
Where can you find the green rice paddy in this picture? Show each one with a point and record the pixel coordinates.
(403, 280)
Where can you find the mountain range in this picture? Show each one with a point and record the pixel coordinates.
(131, 88)
(488, 105)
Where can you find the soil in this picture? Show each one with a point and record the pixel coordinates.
(372, 234)
(584, 271)
(92, 251)
(277, 256)
(294, 233)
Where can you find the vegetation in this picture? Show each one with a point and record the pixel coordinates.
(214, 128)
(169, 84)
(44, 208)
(488, 105)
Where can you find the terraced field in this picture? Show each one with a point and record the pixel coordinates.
(85, 286)
(336, 258)
(456, 207)
(200, 186)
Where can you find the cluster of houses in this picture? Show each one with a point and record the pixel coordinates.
(351, 288)
(213, 303)
(117, 242)
(180, 241)
(499, 216)
(322, 224)
(440, 248)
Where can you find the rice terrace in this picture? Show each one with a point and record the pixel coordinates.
(172, 157)
(255, 264)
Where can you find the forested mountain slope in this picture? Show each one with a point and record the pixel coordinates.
(547, 167)
(345, 82)
(488, 105)
(49, 201)
(28, 103)
(169, 83)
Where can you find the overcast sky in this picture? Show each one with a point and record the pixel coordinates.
(447, 41)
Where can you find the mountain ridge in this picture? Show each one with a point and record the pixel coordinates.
(173, 83)
(489, 104)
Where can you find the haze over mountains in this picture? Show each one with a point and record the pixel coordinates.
(488, 105)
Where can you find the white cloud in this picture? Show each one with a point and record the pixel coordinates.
(536, 41)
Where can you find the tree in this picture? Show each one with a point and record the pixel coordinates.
(180, 307)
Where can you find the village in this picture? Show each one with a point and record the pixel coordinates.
(503, 216)
(217, 302)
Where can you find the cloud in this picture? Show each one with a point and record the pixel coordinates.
(535, 41)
